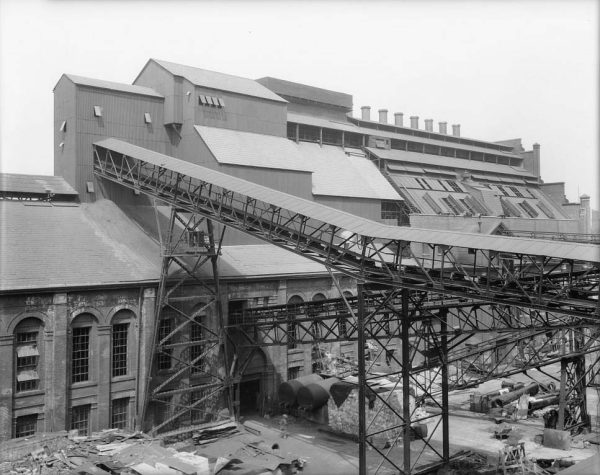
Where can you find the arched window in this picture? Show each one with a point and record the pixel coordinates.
(82, 343)
(28, 348)
(121, 335)
(292, 328)
(348, 294)
(318, 297)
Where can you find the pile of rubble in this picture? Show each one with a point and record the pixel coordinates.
(222, 448)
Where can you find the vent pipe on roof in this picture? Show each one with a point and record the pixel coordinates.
(443, 127)
(456, 130)
(429, 125)
(414, 122)
(383, 116)
(399, 119)
(366, 112)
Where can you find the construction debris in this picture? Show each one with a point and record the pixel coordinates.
(216, 449)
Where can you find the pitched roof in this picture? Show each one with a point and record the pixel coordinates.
(338, 174)
(46, 246)
(34, 184)
(114, 86)
(334, 172)
(351, 222)
(310, 93)
(447, 162)
(234, 147)
(219, 81)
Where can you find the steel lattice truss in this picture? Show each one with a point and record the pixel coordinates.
(189, 349)
(433, 298)
(527, 280)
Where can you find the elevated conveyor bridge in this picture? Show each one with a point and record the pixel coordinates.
(428, 282)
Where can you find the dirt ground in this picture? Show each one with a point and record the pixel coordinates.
(330, 454)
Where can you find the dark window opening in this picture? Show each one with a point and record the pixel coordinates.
(309, 133)
(332, 137)
(516, 191)
(120, 413)
(119, 349)
(399, 144)
(80, 355)
(80, 419)
(293, 372)
(26, 425)
(415, 147)
(454, 186)
(397, 210)
(531, 212)
(291, 131)
(353, 140)
(431, 149)
(196, 335)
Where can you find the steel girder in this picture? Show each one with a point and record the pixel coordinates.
(189, 362)
(527, 280)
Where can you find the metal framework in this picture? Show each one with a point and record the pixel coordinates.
(431, 296)
(188, 384)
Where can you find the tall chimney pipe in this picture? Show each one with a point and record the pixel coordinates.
(366, 112)
(456, 130)
(383, 116)
(443, 127)
(399, 119)
(414, 121)
(429, 125)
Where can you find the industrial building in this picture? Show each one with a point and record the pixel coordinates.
(80, 320)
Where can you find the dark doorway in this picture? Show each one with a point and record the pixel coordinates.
(249, 397)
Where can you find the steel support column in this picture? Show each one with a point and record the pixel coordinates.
(406, 367)
(362, 383)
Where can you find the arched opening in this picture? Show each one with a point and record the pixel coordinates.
(83, 336)
(292, 328)
(28, 355)
(318, 297)
(121, 343)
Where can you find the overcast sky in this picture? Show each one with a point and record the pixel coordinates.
(501, 69)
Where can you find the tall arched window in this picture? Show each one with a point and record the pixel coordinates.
(121, 338)
(83, 337)
(292, 328)
(28, 354)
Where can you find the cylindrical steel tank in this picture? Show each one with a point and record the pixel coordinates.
(313, 396)
(288, 390)
(543, 401)
(500, 401)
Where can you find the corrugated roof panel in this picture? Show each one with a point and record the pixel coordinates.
(220, 81)
(303, 91)
(448, 162)
(353, 223)
(35, 184)
(114, 86)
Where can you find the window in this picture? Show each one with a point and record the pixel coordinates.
(26, 425)
(89, 186)
(502, 190)
(293, 372)
(63, 126)
(210, 101)
(423, 184)
(164, 357)
(27, 356)
(509, 209)
(97, 111)
(412, 208)
(476, 205)
(443, 186)
(197, 334)
(531, 212)
(516, 191)
(80, 354)
(431, 202)
(80, 419)
(455, 186)
(120, 413)
(544, 209)
(292, 328)
(119, 349)
(147, 118)
(453, 205)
